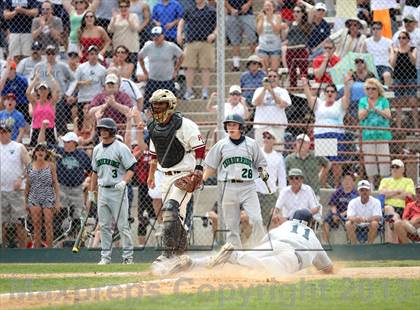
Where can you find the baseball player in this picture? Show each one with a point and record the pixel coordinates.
(293, 246)
(239, 161)
(113, 166)
(177, 149)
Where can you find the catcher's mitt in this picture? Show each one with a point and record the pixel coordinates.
(191, 182)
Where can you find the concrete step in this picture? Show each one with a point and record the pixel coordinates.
(201, 117)
(230, 78)
(196, 105)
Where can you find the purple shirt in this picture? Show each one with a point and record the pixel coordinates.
(121, 98)
(341, 199)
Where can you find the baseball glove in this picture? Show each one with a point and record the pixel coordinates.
(191, 182)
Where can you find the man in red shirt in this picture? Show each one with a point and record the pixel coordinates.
(409, 227)
(320, 63)
(111, 102)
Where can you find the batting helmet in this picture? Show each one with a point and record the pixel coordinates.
(234, 118)
(163, 95)
(303, 215)
(107, 123)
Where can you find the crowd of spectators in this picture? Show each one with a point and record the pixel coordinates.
(66, 63)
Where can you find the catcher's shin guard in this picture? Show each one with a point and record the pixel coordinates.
(174, 234)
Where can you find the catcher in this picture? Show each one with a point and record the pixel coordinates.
(177, 149)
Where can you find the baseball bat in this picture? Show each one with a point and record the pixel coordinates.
(78, 242)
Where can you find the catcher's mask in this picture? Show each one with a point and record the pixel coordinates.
(160, 112)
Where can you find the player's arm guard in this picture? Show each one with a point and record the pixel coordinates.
(263, 174)
(191, 182)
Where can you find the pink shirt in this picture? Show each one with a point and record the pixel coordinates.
(42, 112)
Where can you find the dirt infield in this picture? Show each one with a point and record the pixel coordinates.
(228, 276)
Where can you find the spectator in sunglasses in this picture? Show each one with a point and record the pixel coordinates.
(47, 28)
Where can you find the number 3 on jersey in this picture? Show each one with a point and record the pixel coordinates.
(114, 173)
(247, 173)
(305, 234)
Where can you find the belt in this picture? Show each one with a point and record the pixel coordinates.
(234, 181)
(107, 186)
(172, 172)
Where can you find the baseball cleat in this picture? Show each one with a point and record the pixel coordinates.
(180, 263)
(222, 256)
(104, 261)
(127, 261)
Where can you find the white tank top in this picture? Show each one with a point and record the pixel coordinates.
(12, 167)
(268, 40)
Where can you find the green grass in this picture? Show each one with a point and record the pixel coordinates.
(15, 285)
(64, 268)
(382, 263)
(330, 294)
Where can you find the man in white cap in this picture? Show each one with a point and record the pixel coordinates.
(293, 197)
(277, 176)
(363, 212)
(396, 188)
(165, 59)
(72, 166)
(315, 168)
(112, 103)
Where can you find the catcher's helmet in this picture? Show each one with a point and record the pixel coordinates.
(303, 215)
(163, 95)
(107, 123)
(234, 118)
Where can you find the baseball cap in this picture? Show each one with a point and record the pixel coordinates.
(4, 126)
(10, 95)
(235, 89)
(303, 137)
(321, 6)
(119, 137)
(13, 65)
(70, 136)
(93, 48)
(397, 162)
(111, 78)
(363, 184)
(295, 172)
(42, 84)
(51, 48)
(270, 132)
(157, 31)
(360, 59)
(36, 46)
(409, 18)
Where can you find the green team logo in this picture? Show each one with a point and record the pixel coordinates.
(109, 162)
(246, 173)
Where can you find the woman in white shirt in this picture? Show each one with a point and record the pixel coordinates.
(330, 112)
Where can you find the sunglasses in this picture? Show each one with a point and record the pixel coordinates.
(395, 167)
(359, 62)
(330, 91)
(272, 76)
(254, 63)
(123, 6)
(295, 178)
(235, 94)
(376, 28)
(110, 83)
(371, 88)
(50, 53)
(267, 137)
(402, 38)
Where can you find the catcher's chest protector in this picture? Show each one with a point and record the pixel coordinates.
(165, 141)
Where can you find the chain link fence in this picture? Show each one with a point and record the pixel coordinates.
(330, 88)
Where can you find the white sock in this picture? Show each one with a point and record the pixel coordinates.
(236, 61)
